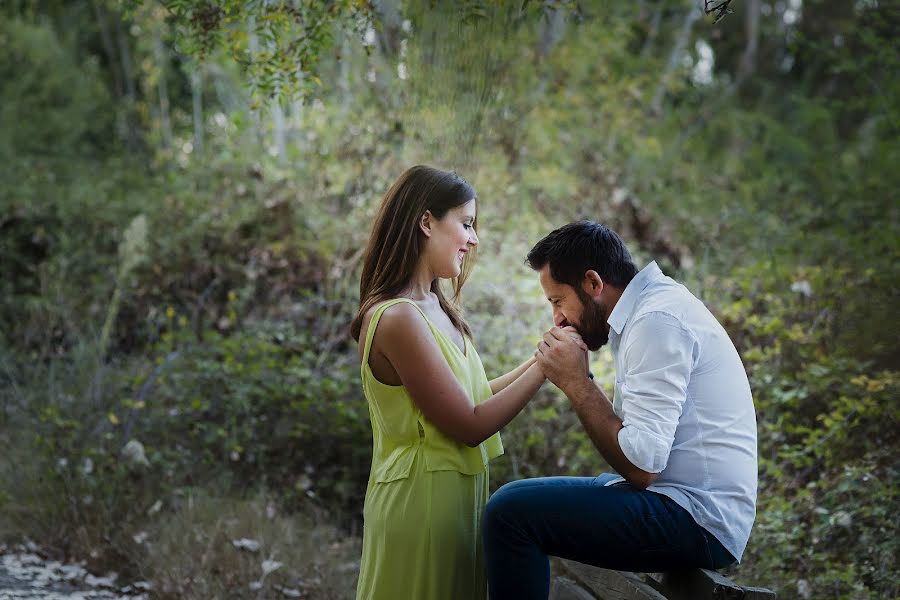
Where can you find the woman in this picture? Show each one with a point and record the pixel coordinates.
(435, 416)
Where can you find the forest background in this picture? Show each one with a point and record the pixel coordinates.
(187, 188)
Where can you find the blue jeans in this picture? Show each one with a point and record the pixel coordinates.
(579, 518)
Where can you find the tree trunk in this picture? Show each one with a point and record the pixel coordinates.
(388, 35)
(747, 65)
(253, 49)
(165, 121)
(129, 84)
(122, 127)
(344, 75)
(694, 13)
(654, 31)
(197, 97)
(552, 31)
(278, 127)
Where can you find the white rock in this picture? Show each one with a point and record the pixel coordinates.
(246, 544)
(95, 581)
(133, 451)
(270, 565)
(802, 287)
(140, 537)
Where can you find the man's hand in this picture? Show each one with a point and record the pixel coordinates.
(562, 356)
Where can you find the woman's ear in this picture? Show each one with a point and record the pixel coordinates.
(425, 223)
(592, 284)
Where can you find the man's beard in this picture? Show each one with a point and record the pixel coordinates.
(593, 329)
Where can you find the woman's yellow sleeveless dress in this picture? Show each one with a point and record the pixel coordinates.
(426, 492)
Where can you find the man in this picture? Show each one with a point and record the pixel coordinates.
(681, 430)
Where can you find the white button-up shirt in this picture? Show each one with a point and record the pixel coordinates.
(684, 400)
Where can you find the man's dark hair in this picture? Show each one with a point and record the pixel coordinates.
(578, 247)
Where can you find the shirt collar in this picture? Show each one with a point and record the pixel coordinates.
(624, 308)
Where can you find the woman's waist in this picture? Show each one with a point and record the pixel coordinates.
(430, 447)
(393, 461)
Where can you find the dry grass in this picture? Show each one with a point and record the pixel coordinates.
(189, 552)
(185, 548)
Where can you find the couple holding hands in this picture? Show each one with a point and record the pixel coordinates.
(680, 430)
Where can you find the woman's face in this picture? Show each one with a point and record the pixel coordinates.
(451, 238)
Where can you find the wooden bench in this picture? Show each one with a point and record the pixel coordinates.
(584, 582)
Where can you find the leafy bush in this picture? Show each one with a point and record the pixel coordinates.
(61, 85)
(828, 474)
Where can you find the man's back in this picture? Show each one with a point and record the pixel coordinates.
(703, 410)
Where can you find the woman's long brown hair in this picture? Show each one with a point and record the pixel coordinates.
(396, 242)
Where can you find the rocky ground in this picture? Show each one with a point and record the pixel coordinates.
(24, 575)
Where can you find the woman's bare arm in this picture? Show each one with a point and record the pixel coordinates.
(501, 382)
(404, 338)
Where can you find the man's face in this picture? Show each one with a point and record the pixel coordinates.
(573, 306)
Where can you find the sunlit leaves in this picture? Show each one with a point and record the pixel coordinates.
(277, 43)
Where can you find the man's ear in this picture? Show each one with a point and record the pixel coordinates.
(425, 223)
(592, 284)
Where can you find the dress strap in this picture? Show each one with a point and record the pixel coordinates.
(373, 323)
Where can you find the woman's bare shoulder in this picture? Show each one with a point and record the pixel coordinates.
(399, 318)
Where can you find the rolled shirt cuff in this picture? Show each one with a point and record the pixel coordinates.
(644, 450)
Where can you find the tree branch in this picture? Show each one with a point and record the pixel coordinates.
(720, 8)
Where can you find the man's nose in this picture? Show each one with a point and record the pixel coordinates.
(559, 319)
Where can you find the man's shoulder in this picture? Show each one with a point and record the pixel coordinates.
(665, 297)
(670, 302)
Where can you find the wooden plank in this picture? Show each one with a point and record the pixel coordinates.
(610, 585)
(564, 588)
(655, 580)
(699, 584)
(692, 584)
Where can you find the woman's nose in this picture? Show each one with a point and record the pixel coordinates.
(473, 238)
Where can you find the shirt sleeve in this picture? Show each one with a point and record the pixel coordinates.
(658, 359)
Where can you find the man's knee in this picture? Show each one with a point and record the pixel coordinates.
(506, 505)
(494, 509)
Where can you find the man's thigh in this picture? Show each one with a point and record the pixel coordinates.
(612, 526)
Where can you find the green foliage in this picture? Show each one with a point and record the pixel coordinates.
(63, 87)
(278, 44)
(827, 467)
(64, 481)
(265, 403)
